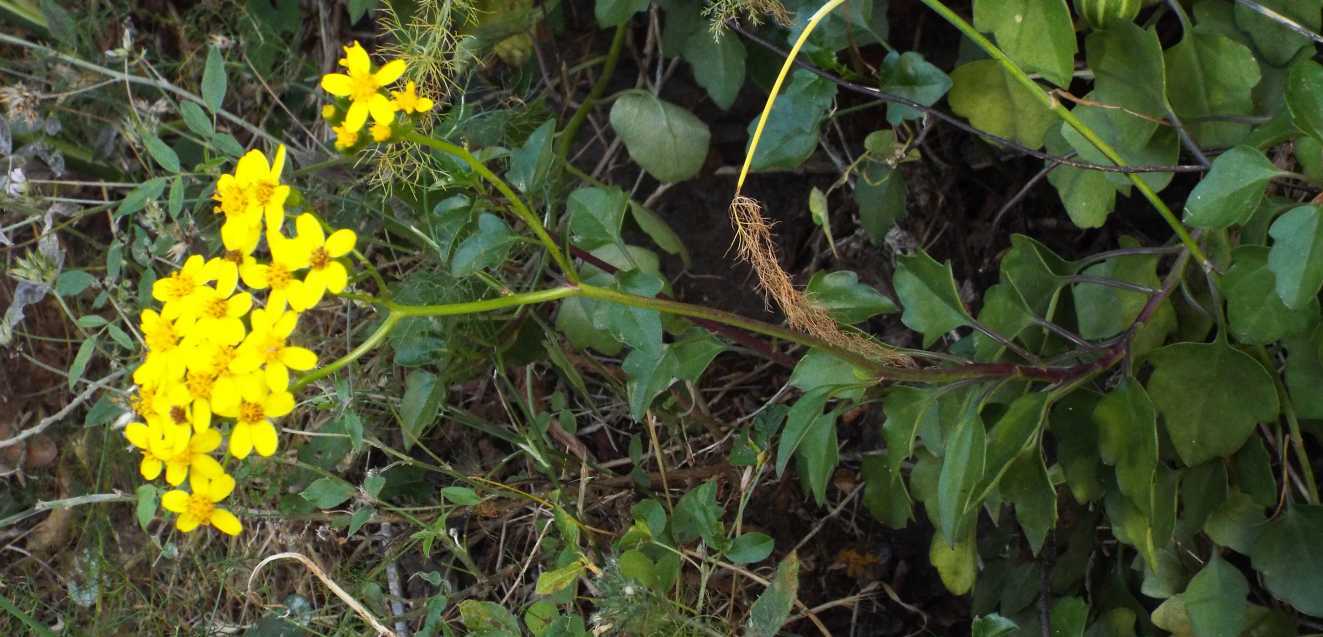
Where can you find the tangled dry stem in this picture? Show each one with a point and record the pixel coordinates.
(756, 246)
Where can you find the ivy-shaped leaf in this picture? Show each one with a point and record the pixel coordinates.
(1256, 314)
(994, 102)
(927, 291)
(1304, 97)
(1296, 256)
(1128, 439)
(1232, 189)
(1275, 41)
(963, 465)
(596, 215)
(909, 75)
(718, 65)
(845, 298)
(1290, 558)
(1038, 34)
(792, 130)
(1209, 74)
(665, 139)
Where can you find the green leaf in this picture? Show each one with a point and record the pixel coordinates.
(698, 515)
(907, 409)
(956, 564)
(1276, 42)
(1003, 312)
(637, 327)
(1304, 373)
(120, 338)
(1205, 424)
(138, 197)
(530, 163)
(162, 153)
(196, 119)
(1256, 314)
(372, 484)
(994, 102)
(148, 499)
(659, 231)
(794, 127)
(1215, 600)
(1134, 138)
(80, 360)
(650, 373)
(718, 65)
(1077, 444)
(1088, 195)
(420, 405)
(1289, 556)
(1027, 486)
(1104, 311)
(226, 143)
(359, 8)
(909, 75)
(1208, 75)
(817, 454)
(89, 321)
(845, 298)
(73, 282)
(1127, 64)
(962, 469)
(213, 80)
(1304, 97)
(665, 139)
(885, 495)
(799, 420)
(596, 215)
(749, 548)
(485, 248)
(1038, 34)
(993, 625)
(1069, 616)
(461, 496)
(61, 25)
(488, 619)
(879, 191)
(771, 610)
(175, 200)
(1128, 439)
(1236, 524)
(1232, 189)
(328, 492)
(557, 580)
(611, 13)
(360, 517)
(927, 291)
(1296, 256)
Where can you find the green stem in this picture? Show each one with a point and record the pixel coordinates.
(1293, 422)
(1067, 116)
(566, 141)
(516, 204)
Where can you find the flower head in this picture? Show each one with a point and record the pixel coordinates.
(199, 507)
(252, 412)
(266, 348)
(266, 193)
(409, 101)
(381, 132)
(158, 442)
(287, 257)
(178, 290)
(362, 86)
(324, 272)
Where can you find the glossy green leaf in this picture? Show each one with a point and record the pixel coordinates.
(879, 191)
(845, 298)
(1026, 485)
(1128, 439)
(1236, 523)
(819, 368)
(772, 608)
(963, 467)
(1134, 138)
(530, 163)
(698, 515)
(420, 405)
(993, 625)
(799, 420)
(718, 65)
(1011, 437)
(1205, 424)
(1127, 64)
(1296, 256)
(612, 13)
(1231, 190)
(328, 492)
(665, 139)
(485, 248)
(927, 291)
(750, 548)
(1304, 97)
(1209, 74)
(596, 215)
(907, 410)
(910, 76)
(1038, 34)
(1088, 196)
(1256, 314)
(1069, 617)
(1215, 600)
(1289, 556)
(640, 328)
(213, 79)
(1004, 313)
(1276, 42)
(1104, 311)
(793, 128)
(650, 373)
(994, 102)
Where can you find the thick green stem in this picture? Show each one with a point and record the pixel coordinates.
(517, 205)
(1067, 116)
(566, 141)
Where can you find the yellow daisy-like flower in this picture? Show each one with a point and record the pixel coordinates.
(266, 193)
(252, 414)
(287, 257)
(329, 111)
(199, 507)
(344, 138)
(219, 315)
(324, 272)
(192, 456)
(381, 132)
(178, 290)
(363, 87)
(156, 439)
(165, 357)
(144, 402)
(266, 348)
(409, 101)
(232, 198)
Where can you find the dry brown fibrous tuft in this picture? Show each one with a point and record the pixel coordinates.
(754, 236)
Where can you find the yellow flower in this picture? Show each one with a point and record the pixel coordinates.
(287, 257)
(218, 315)
(266, 193)
(409, 101)
(380, 132)
(266, 346)
(191, 455)
(344, 138)
(329, 111)
(178, 290)
(144, 402)
(231, 197)
(199, 507)
(363, 87)
(165, 358)
(324, 272)
(156, 440)
(253, 411)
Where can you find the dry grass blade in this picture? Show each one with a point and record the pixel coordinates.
(344, 596)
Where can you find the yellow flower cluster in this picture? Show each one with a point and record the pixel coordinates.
(213, 353)
(360, 93)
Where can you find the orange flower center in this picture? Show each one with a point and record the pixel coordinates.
(180, 285)
(279, 276)
(142, 403)
(271, 348)
(179, 415)
(234, 256)
(232, 200)
(224, 356)
(200, 507)
(251, 413)
(163, 338)
(216, 308)
(199, 385)
(262, 192)
(319, 259)
(362, 87)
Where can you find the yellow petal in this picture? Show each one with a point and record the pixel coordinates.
(275, 210)
(226, 522)
(219, 487)
(136, 433)
(175, 501)
(187, 523)
(206, 465)
(337, 84)
(424, 105)
(390, 72)
(356, 60)
(150, 467)
(241, 441)
(278, 404)
(309, 230)
(202, 419)
(205, 441)
(382, 109)
(304, 296)
(175, 472)
(254, 275)
(285, 324)
(238, 305)
(299, 358)
(356, 116)
(336, 277)
(277, 376)
(278, 164)
(264, 438)
(252, 166)
(341, 242)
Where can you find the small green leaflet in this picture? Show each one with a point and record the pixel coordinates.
(927, 291)
(213, 80)
(1038, 34)
(1232, 189)
(1296, 256)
